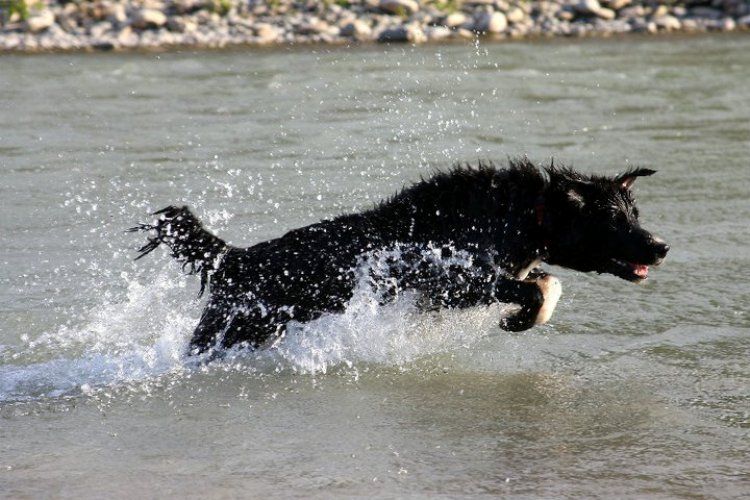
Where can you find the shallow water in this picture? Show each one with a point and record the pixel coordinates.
(631, 390)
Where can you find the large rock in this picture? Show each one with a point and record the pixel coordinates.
(399, 7)
(40, 22)
(149, 18)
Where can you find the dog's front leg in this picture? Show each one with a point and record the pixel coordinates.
(537, 297)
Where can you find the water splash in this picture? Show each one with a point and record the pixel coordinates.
(144, 335)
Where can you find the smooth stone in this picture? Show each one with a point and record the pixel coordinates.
(588, 7)
(455, 19)
(40, 22)
(728, 24)
(399, 7)
(515, 15)
(181, 25)
(436, 33)
(266, 33)
(668, 23)
(634, 11)
(618, 4)
(149, 18)
(357, 29)
(679, 11)
(67, 23)
(99, 29)
(565, 15)
(117, 14)
(660, 11)
(103, 45)
(407, 33)
(690, 25)
(189, 6)
(490, 22)
(128, 38)
(606, 14)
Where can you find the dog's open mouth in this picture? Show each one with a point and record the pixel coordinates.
(631, 271)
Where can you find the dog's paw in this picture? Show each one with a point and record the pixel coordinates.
(551, 291)
(517, 322)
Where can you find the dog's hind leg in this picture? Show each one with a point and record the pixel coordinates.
(214, 321)
(250, 330)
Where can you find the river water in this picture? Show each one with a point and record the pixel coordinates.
(629, 391)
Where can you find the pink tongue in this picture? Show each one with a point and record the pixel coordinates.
(640, 270)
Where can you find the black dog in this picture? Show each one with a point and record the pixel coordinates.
(467, 237)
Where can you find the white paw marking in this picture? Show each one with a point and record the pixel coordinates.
(551, 291)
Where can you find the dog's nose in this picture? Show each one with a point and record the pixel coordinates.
(660, 247)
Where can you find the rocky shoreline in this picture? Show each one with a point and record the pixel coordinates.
(60, 25)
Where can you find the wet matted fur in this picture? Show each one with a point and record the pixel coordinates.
(503, 222)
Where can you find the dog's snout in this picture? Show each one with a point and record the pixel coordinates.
(660, 247)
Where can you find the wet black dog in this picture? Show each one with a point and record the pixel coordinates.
(463, 238)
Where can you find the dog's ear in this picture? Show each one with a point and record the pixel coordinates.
(626, 180)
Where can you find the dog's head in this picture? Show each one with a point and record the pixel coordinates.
(593, 225)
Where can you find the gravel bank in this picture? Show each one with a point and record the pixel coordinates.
(50, 25)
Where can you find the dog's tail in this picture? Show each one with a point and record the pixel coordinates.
(190, 243)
